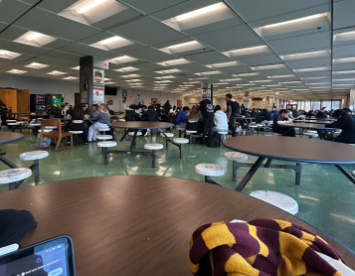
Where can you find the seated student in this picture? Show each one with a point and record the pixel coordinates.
(346, 123)
(266, 115)
(151, 115)
(283, 119)
(256, 115)
(310, 113)
(195, 119)
(142, 109)
(220, 120)
(103, 119)
(131, 114)
(77, 115)
(322, 114)
(181, 117)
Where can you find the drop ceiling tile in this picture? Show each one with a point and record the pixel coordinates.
(150, 54)
(147, 31)
(117, 19)
(270, 8)
(63, 56)
(344, 66)
(54, 25)
(10, 10)
(84, 50)
(208, 58)
(21, 48)
(236, 69)
(151, 6)
(149, 66)
(309, 63)
(215, 26)
(255, 60)
(56, 6)
(230, 38)
(192, 67)
(31, 2)
(344, 51)
(344, 14)
(11, 33)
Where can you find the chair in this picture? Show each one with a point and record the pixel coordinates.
(235, 157)
(153, 148)
(279, 200)
(34, 156)
(180, 142)
(14, 177)
(104, 146)
(57, 135)
(209, 170)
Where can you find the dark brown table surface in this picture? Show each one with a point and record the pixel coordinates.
(136, 225)
(309, 126)
(318, 122)
(323, 119)
(140, 125)
(9, 137)
(297, 150)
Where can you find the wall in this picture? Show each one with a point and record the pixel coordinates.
(68, 89)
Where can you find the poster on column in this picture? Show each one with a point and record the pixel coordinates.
(99, 85)
(99, 94)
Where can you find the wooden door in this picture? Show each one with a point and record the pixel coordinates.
(179, 103)
(77, 98)
(23, 101)
(9, 97)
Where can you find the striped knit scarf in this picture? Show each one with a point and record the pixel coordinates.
(261, 247)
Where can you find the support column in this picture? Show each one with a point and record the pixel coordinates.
(207, 91)
(246, 101)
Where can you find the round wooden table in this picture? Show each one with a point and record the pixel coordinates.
(291, 149)
(6, 138)
(136, 225)
(141, 125)
(320, 128)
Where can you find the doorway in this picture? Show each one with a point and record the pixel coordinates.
(179, 103)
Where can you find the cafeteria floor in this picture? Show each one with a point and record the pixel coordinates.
(325, 196)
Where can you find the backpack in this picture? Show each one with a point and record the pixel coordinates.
(214, 141)
(236, 109)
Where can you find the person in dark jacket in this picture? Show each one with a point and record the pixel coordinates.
(151, 115)
(282, 118)
(322, 114)
(266, 115)
(208, 117)
(346, 123)
(131, 114)
(255, 115)
(167, 106)
(310, 113)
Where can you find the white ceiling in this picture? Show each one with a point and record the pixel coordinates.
(148, 25)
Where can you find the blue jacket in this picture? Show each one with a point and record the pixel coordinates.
(274, 113)
(181, 118)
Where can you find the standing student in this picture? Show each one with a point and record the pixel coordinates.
(167, 106)
(233, 111)
(274, 112)
(208, 116)
(346, 123)
(281, 119)
(103, 120)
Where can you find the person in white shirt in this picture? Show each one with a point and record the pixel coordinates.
(220, 120)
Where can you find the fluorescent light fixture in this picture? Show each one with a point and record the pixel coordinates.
(163, 81)
(344, 72)
(316, 78)
(343, 79)
(134, 80)
(165, 77)
(182, 44)
(75, 68)
(223, 64)
(70, 78)
(306, 55)
(290, 82)
(294, 21)
(346, 33)
(194, 82)
(169, 71)
(272, 85)
(86, 5)
(174, 62)
(246, 75)
(247, 84)
(122, 59)
(261, 81)
(16, 71)
(318, 83)
(312, 69)
(198, 12)
(130, 76)
(268, 67)
(208, 73)
(220, 83)
(235, 79)
(5, 54)
(127, 69)
(108, 83)
(107, 79)
(281, 76)
(303, 89)
(110, 40)
(56, 73)
(344, 60)
(33, 36)
(248, 51)
(36, 65)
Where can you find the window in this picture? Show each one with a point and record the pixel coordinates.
(315, 105)
(327, 104)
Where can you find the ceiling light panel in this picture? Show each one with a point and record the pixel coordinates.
(290, 22)
(281, 76)
(75, 68)
(246, 75)
(36, 65)
(343, 72)
(223, 65)
(344, 60)
(70, 78)
(308, 55)
(127, 69)
(130, 76)
(268, 67)
(169, 71)
(163, 81)
(111, 43)
(35, 39)
(85, 6)
(134, 80)
(165, 77)
(346, 36)
(5, 54)
(122, 60)
(56, 73)
(247, 51)
(208, 73)
(174, 62)
(17, 71)
(183, 47)
(312, 69)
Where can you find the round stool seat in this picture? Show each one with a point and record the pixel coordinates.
(14, 175)
(132, 134)
(209, 169)
(253, 126)
(50, 127)
(104, 137)
(282, 201)
(104, 129)
(236, 156)
(22, 122)
(13, 124)
(121, 120)
(311, 131)
(181, 141)
(107, 144)
(167, 134)
(259, 125)
(10, 121)
(35, 124)
(76, 131)
(223, 132)
(46, 130)
(311, 134)
(34, 155)
(153, 146)
(191, 131)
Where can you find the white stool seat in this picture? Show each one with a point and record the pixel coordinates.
(259, 125)
(132, 133)
(153, 146)
(282, 201)
(107, 144)
(76, 131)
(236, 156)
(46, 130)
(311, 131)
(180, 128)
(191, 131)
(167, 134)
(13, 124)
(35, 124)
(21, 122)
(253, 126)
(104, 137)
(50, 127)
(180, 141)
(223, 132)
(209, 169)
(353, 173)
(104, 129)
(311, 134)
(121, 120)
(14, 175)
(34, 155)
(10, 121)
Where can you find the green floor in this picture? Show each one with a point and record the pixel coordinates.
(325, 196)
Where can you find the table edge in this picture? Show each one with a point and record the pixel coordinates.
(17, 139)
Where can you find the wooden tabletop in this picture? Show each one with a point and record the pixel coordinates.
(314, 122)
(322, 119)
(136, 225)
(309, 126)
(293, 149)
(9, 137)
(140, 125)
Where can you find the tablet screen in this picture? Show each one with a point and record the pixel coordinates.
(51, 258)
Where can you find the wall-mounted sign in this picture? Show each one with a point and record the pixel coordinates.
(124, 92)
